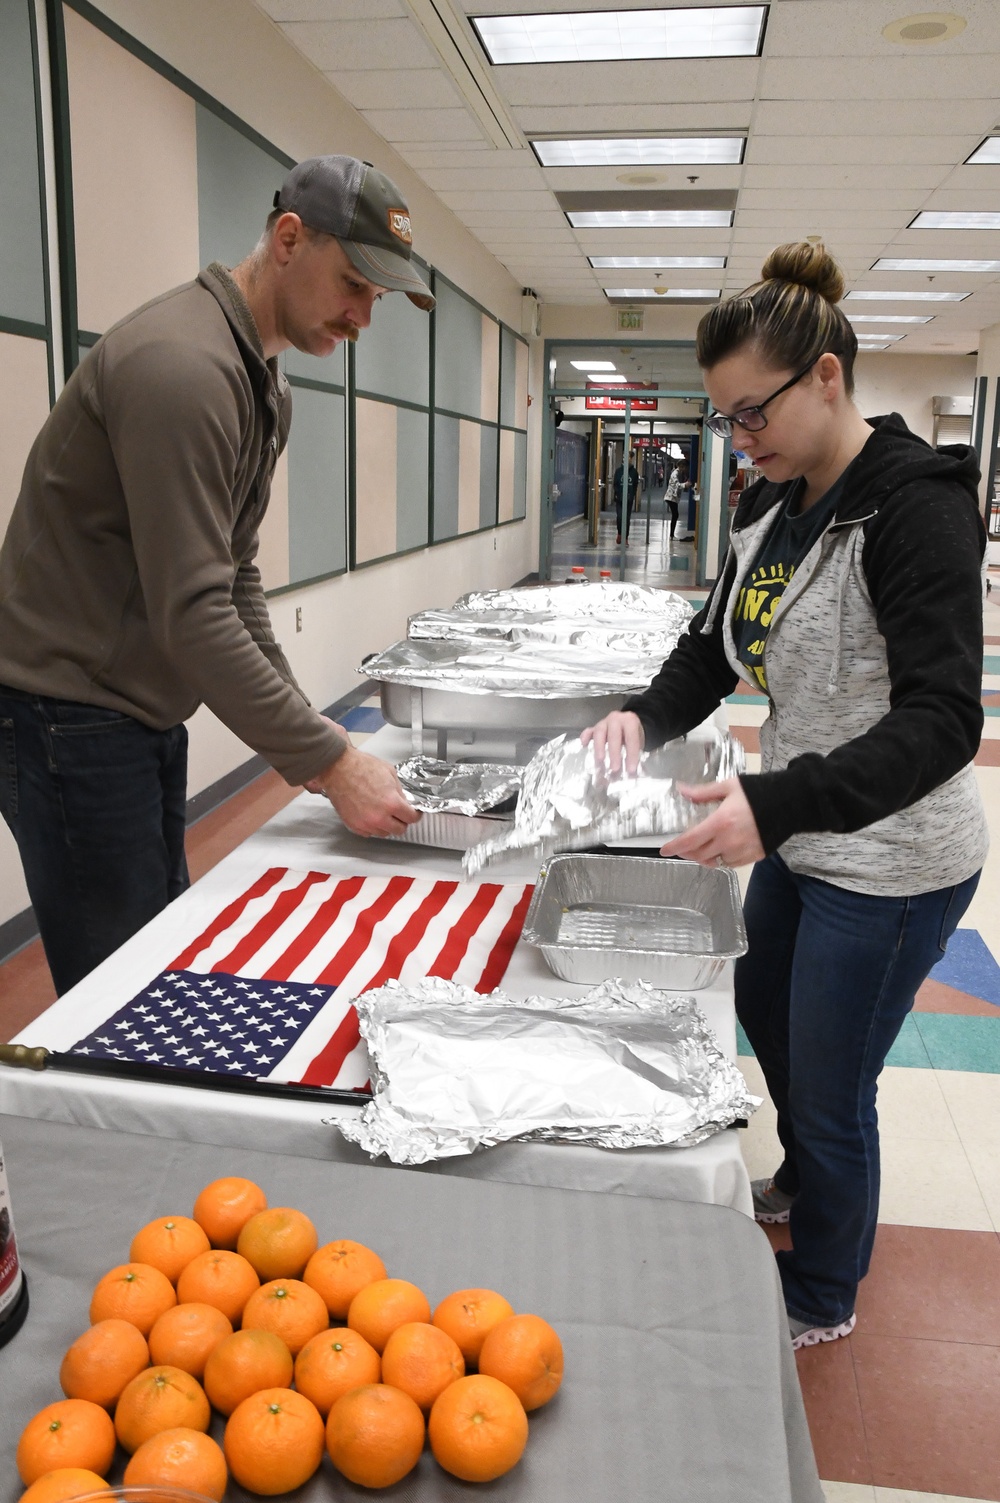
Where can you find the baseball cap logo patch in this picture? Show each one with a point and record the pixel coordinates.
(399, 224)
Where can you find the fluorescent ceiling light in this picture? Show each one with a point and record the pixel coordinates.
(651, 219)
(988, 153)
(696, 292)
(958, 219)
(617, 35)
(910, 297)
(881, 344)
(641, 151)
(890, 318)
(695, 263)
(880, 339)
(909, 263)
(592, 365)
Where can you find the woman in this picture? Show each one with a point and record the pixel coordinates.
(678, 477)
(852, 598)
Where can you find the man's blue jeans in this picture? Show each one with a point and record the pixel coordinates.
(822, 993)
(96, 803)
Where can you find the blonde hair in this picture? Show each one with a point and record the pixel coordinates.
(790, 316)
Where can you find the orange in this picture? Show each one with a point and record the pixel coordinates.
(525, 1353)
(186, 1337)
(169, 1243)
(469, 1315)
(290, 1309)
(70, 1433)
(274, 1441)
(334, 1362)
(243, 1364)
(102, 1360)
(375, 1435)
(421, 1360)
(222, 1279)
(136, 1292)
(225, 1206)
(381, 1306)
(161, 1398)
(340, 1270)
(63, 1484)
(478, 1429)
(179, 1458)
(278, 1243)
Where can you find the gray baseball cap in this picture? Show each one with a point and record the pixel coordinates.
(366, 213)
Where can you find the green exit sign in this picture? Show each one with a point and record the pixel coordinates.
(630, 320)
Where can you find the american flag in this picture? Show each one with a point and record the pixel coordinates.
(265, 991)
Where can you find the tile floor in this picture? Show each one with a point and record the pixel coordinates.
(906, 1410)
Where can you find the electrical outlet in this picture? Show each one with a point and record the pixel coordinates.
(494, 545)
(298, 618)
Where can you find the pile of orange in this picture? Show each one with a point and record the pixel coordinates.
(300, 1348)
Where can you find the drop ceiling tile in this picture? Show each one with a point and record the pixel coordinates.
(859, 151)
(498, 201)
(331, 10)
(964, 198)
(486, 219)
(421, 154)
(829, 116)
(853, 28)
(815, 221)
(499, 174)
(803, 179)
(401, 89)
(611, 179)
(820, 199)
(343, 46)
(421, 125)
(905, 77)
(975, 178)
(712, 113)
(642, 82)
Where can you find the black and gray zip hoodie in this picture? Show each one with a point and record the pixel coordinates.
(874, 670)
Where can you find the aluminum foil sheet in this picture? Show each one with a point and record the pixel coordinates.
(471, 788)
(590, 598)
(568, 802)
(624, 1066)
(535, 670)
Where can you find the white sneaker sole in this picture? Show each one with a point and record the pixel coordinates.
(771, 1218)
(817, 1334)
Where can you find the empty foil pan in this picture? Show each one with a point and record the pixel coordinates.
(673, 924)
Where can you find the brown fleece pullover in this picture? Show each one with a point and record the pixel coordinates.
(127, 576)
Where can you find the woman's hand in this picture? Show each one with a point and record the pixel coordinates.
(728, 837)
(619, 732)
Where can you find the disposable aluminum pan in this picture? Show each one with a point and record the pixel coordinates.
(460, 804)
(454, 832)
(673, 924)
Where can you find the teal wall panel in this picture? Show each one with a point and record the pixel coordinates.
(237, 181)
(520, 475)
(317, 492)
(393, 355)
(488, 476)
(22, 277)
(458, 358)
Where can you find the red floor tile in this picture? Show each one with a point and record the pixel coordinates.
(748, 735)
(937, 996)
(988, 754)
(933, 1284)
(930, 1414)
(25, 989)
(834, 1411)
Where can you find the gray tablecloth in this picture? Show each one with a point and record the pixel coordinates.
(680, 1381)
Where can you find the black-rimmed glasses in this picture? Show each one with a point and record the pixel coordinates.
(750, 419)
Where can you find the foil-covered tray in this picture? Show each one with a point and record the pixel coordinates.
(674, 924)
(567, 802)
(538, 670)
(624, 1066)
(460, 803)
(589, 598)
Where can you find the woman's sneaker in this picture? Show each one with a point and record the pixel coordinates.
(804, 1334)
(770, 1205)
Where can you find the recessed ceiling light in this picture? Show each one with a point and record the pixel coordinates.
(701, 293)
(641, 151)
(890, 318)
(651, 219)
(880, 339)
(910, 297)
(937, 26)
(697, 263)
(592, 365)
(988, 153)
(616, 35)
(880, 345)
(958, 219)
(909, 263)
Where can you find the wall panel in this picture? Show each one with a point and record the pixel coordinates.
(237, 181)
(24, 406)
(317, 485)
(22, 267)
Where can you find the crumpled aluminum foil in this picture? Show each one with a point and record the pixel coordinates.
(589, 598)
(457, 788)
(624, 1066)
(568, 802)
(535, 670)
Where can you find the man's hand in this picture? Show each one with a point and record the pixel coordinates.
(728, 837)
(366, 794)
(315, 785)
(619, 732)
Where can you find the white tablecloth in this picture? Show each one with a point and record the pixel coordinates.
(307, 835)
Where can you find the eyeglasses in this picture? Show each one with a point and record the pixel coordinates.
(750, 419)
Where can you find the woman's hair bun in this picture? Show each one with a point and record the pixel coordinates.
(806, 265)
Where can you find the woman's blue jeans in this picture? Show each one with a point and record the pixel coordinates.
(96, 803)
(822, 993)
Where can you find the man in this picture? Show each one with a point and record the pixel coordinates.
(633, 486)
(128, 589)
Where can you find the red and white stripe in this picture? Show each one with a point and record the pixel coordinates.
(356, 933)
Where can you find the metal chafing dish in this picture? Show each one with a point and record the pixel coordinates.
(673, 924)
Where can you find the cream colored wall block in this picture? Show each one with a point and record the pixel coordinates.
(469, 465)
(375, 485)
(490, 394)
(24, 406)
(272, 555)
(135, 178)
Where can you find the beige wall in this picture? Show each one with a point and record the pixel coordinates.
(906, 384)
